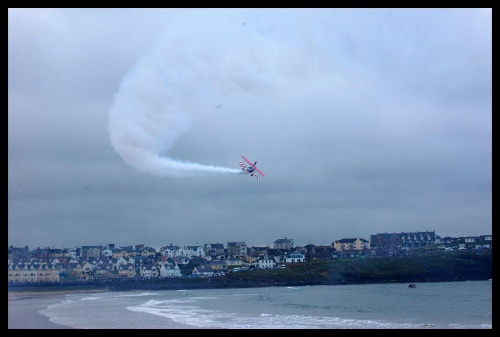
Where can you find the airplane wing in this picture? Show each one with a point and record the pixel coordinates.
(248, 161)
(255, 167)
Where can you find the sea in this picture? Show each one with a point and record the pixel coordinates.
(436, 305)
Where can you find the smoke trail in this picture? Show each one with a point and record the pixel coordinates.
(195, 65)
(157, 101)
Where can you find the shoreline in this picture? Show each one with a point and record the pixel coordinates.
(23, 310)
(30, 292)
(21, 295)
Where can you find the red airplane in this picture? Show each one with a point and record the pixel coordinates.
(250, 169)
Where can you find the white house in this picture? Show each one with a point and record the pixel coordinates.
(264, 262)
(295, 257)
(170, 270)
(169, 251)
(149, 271)
(191, 251)
(121, 262)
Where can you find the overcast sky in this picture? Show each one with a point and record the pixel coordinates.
(125, 126)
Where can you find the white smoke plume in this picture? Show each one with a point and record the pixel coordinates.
(156, 103)
(192, 66)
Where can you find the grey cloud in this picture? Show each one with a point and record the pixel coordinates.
(380, 127)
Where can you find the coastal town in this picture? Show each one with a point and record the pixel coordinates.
(109, 262)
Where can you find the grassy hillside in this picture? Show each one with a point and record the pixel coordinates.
(433, 268)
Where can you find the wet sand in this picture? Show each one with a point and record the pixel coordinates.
(23, 310)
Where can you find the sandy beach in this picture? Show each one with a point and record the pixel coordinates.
(23, 310)
(24, 307)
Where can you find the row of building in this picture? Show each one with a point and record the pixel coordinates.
(110, 262)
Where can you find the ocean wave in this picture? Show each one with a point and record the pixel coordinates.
(139, 295)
